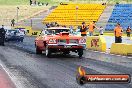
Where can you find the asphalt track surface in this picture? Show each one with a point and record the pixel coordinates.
(28, 70)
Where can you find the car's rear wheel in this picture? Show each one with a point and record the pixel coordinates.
(80, 53)
(48, 52)
(38, 51)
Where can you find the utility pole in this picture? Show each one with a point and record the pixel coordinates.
(17, 13)
(31, 23)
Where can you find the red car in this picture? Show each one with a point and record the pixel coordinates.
(59, 39)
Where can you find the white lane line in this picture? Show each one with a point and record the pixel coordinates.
(11, 76)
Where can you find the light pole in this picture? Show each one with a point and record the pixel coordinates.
(76, 15)
(17, 13)
(31, 23)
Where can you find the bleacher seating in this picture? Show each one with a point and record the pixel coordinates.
(122, 13)
(69, 15)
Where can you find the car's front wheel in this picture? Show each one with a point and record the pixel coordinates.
(80, 53)
(48, 52)
(38, 51)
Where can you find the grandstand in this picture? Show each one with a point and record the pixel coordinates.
(75, 14)
(122, 13)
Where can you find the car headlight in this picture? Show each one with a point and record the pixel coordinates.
(82, 41)
(52, 41)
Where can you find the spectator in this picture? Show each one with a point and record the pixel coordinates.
(91, 28)
(55, 24)
(101, 30)
(51, 24)
(71, 30)
(64, 26)
(47, 4)
(58, 25)
(83, 31)
(128, 31)
(30, 2)
(48, 25)
(2, 35)
(13, 22)
(35, 2)
(61, 3)
(42, 3)
(38, 3)
(118, 33)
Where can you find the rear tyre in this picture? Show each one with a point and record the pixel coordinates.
(80, 53)
(48, 52)
(38, 51)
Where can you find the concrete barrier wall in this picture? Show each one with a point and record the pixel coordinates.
(121, 49)
(131, 38)
(34, 33)
(96, 43)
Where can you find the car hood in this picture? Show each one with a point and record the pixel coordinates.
(47, 37)
(63, 37)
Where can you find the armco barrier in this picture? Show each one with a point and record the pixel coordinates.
(121, 49)
(96, 43)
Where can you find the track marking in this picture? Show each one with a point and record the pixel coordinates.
(10, 75)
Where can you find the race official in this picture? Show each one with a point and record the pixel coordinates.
(2, 35)
(128, 31)
(91, 28)
(118, 33)
(83, 29)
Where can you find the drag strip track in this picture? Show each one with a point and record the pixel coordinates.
(38, 71)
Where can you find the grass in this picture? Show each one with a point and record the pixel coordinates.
(14, 2)
(23, 2)
(55, 2)
(9, 12)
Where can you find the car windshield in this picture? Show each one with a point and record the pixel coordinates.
(12, 31)
(56, 31)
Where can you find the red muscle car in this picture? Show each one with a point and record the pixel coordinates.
(59, 39)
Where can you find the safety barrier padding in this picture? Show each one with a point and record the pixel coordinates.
(121, 49)
(34, 33)
(97, 43)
